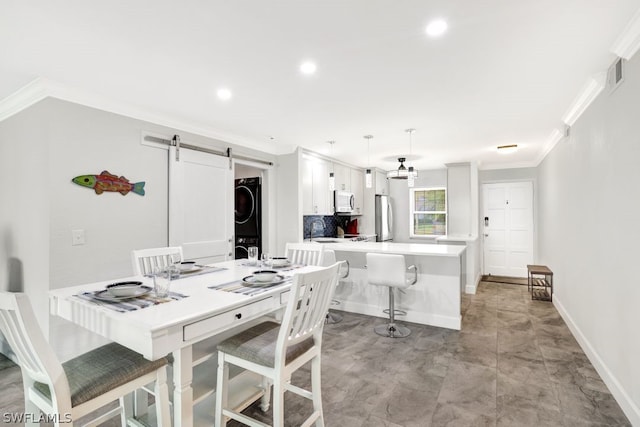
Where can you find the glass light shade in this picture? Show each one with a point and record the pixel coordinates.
(411, 177)
(332, 181)
(368, 179)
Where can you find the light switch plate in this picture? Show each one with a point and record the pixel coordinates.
(77, 237)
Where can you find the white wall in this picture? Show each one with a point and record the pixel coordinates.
(24, 208)
(399, 193)
(589, 234)
(459, 199)
(289, 196)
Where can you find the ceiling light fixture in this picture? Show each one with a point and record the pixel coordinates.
(368, 179)
(332, 177)
(507, 149)
(402, 172)
(224, 94)
(436, 28)
(308, 67)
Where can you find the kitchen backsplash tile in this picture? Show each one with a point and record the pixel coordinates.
(319, 226)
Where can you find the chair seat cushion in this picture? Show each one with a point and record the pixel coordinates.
(101, 370)
(258, 345)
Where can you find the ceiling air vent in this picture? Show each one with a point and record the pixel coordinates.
(615, 75)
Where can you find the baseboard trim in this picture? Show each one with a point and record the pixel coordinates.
(471, 289)
(630, 409)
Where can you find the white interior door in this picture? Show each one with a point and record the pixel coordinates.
(508, 228)
(201, 205)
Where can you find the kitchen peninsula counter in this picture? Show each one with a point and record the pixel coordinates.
(422, 249)
(434, 300)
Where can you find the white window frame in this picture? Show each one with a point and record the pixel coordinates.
(412, 211)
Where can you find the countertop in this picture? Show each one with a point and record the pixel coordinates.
(456, 238)
(399, 248)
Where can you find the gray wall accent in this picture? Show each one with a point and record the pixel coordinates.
(493, 175)
(589, 231)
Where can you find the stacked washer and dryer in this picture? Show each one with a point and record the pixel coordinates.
(248, 214)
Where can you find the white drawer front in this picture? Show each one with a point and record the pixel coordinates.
(226, 320)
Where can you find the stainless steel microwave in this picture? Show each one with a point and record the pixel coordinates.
(343, 201)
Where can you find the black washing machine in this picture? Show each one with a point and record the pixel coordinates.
(242, 245)
(248, 215)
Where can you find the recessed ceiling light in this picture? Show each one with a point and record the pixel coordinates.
(436, 28)
(308, 67)
(507, 149)
(224, 94)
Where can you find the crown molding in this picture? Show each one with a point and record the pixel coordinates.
(23, 98)
(628, 42)
(555, 137)
(586, 96)
(42, 88)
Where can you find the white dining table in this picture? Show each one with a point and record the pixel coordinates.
(180, 326)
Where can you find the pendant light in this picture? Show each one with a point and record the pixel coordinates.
(411, 173)
(332, 178)
(368, 179)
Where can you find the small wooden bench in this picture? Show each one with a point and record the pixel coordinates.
(540, 282)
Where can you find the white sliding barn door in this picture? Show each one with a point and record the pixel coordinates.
(508, 228)
(201, 205)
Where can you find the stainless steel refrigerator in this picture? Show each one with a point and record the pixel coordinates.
(384, 218)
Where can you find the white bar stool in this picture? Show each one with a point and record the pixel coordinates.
(391, 271)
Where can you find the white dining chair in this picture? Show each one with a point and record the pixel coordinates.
(65, 392)
(329, 258)
(390, 270)
(305, 253)
(144, 261)
(275, 350)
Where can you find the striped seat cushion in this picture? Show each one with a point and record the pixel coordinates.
(101, 370)
(258, 345)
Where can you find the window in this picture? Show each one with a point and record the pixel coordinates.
(428, 212)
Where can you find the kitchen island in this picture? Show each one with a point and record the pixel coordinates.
(433, 300)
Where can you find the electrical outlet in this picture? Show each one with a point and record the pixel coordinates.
(77, 237)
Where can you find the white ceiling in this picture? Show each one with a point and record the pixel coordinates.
(505, 72)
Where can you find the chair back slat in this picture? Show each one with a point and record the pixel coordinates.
(307, 308)
(144, 261)
(20, 328)
(305, 253)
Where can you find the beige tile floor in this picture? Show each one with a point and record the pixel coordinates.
(514, 363)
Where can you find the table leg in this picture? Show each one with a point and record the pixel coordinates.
(183, 393)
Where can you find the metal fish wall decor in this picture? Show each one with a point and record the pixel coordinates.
(108, 182)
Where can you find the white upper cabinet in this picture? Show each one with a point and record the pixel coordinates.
(315, 187)
(343, 177)
(357, 188)
(382, 185)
